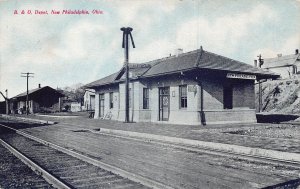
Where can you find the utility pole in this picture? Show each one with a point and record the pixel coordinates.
(6, 101)
(126, 33)
(260, 63)
(27, 75)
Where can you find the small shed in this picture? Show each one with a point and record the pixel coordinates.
(42, 99)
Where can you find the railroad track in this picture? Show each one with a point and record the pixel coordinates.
(143, 181)
(65, 168)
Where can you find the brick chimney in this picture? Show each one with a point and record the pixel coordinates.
(178, 51)
(39, 85)
(255, 63)
(296, 51)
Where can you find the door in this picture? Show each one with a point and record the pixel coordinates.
(227, 97)
(164, 103)
(101, 104)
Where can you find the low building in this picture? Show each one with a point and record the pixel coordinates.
(42, 99)
(76, 107)
(197, 87)
(288, 66)
(89, 100)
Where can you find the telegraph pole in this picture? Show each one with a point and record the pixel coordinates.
(27, 75)
(126, 33)
(260, 63)
(6, 101)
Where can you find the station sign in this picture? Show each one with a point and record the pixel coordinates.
(240, 76)
(135, 65)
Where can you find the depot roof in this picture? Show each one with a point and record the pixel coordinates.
(193, 60)
(34, 91)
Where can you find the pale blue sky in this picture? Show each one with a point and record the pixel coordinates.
(67, 49)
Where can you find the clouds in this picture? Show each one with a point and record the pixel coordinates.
(24, 27)
(223, 33)
(63, 50)
(288, 47)
(155, 50)
(78, 40)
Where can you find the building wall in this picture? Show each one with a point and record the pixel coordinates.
(230, 116)
(242, 91)
(97, 102)
(285, 72)
(33, 107)
(36, 106)
(89, 99)
(210, 111)
(212, 94)
(21, 107)
(243, 102)
(154, 105)
(176, 115)
(244, 95)
(44, 100)
(108, 113)
(136, 90)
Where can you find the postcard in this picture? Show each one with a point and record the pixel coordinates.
(151, 93)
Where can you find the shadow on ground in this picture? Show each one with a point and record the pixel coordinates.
(274, 118)
(291, 184)
(20, 125)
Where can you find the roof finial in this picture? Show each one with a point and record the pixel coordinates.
(201, 48)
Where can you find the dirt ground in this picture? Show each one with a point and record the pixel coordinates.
(281, 137)
(280, 96)
(176, 167)
(179, 167)
(283, 131)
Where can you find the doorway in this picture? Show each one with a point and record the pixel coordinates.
(164, 103)
(227, 96)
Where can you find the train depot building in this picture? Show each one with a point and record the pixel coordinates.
(41, 99)
(196, 88)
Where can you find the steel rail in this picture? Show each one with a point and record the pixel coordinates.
(131, 176)
(55, 182)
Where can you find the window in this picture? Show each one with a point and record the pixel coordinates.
(145, 98)
(183, 96)
(111, 100)
(101, 104)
